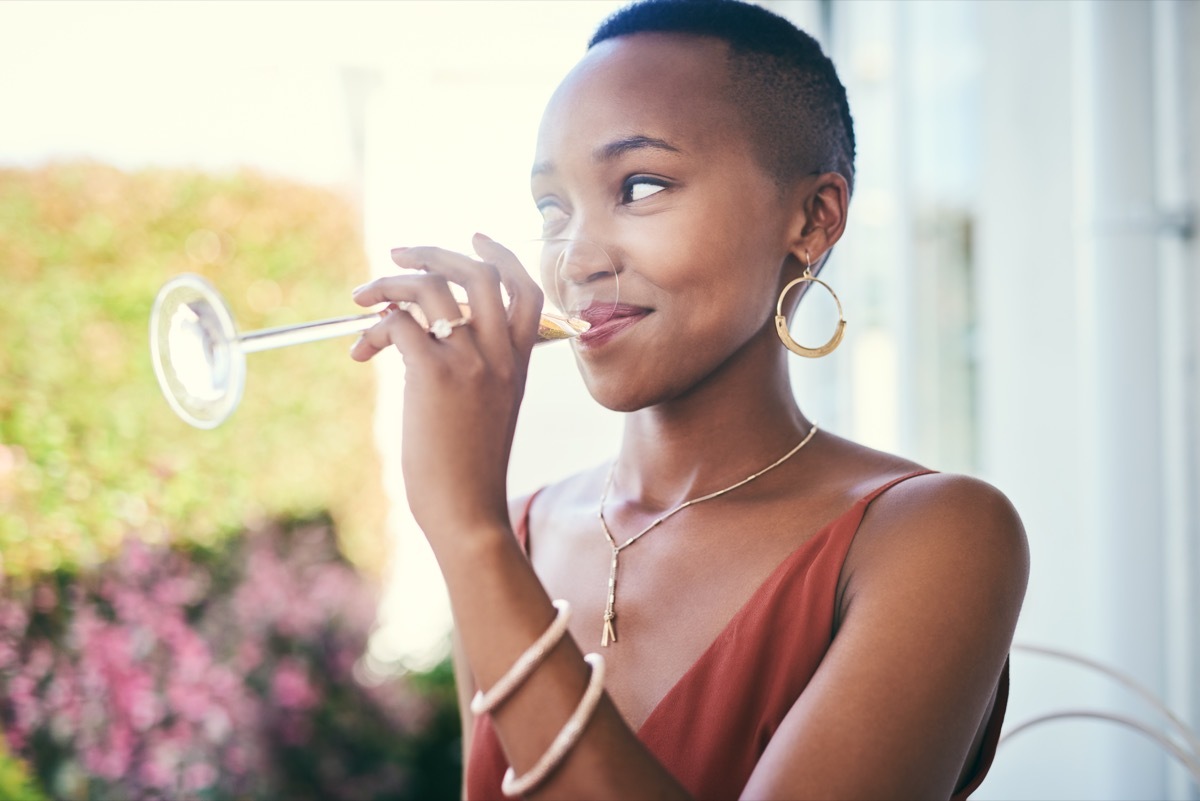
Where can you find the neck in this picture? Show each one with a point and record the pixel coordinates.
(735, 422)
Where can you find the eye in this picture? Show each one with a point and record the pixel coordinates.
(552, 212)
(640, 187)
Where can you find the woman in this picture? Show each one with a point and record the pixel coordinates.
(779, 612)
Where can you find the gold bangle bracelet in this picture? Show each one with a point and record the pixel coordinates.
(483, 702)
(513, 785)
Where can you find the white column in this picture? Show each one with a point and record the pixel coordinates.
(1030, 404)
(1177, 176)
(1119, 274)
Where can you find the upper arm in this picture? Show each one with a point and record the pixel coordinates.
(933, 588)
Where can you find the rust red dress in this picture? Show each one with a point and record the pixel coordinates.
(712, 748)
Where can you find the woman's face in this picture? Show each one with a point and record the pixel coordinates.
(642, 151)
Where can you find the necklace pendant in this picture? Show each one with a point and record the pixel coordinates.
(609, 632)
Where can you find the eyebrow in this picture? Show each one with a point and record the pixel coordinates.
(616, 149)
(630, 143)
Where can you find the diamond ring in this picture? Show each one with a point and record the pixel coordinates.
(442, 328)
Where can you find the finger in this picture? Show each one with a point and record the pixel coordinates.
(481, 280)
(428, 291)
(396, 328)
(525, 298)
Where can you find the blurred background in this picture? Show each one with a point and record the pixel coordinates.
(250, 611)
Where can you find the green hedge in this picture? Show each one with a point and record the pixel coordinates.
(89, 451)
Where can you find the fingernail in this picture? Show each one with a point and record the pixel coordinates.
(358, 289)
(398, 250)
(484, 236)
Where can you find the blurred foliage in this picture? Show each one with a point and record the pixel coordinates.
(15, 784)
(176, 672)
(89, 450)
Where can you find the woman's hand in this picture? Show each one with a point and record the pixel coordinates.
(461, 393)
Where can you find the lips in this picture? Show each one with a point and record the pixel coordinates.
(607, 321)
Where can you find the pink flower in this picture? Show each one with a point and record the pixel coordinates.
(188, 700)
(145, 708)
(40, 659)
(136, 559)
(45, 598)
(235, 760)
(110, 759)
(216, 724)
(291, 688)
(192, 659)
(131, 604)
(174, 591)
(27, 712)
(8, 655)
(63, 701)
(15, 740)
(13, 617)
(198, 776)
(249, 655)
(158, 772)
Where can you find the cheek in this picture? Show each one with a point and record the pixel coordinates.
(729, 229)
(684, 249)
(710, 262)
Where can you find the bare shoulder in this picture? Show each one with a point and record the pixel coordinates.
(942, 534)
(946, 506)
(952, 529)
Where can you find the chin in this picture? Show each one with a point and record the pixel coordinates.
(616, 396)
(619, 391)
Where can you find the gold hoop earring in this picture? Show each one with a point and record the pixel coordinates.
(781, 324)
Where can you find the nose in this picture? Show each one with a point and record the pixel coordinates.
(580, 261)
(578, 274)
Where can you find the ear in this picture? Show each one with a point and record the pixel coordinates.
(821, 202)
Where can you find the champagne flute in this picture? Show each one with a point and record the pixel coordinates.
(199, 355)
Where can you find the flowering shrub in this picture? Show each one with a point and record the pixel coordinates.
(173, 673)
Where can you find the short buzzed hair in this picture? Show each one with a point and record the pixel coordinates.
(787, 90)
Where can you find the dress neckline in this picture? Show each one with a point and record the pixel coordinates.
(813, 545)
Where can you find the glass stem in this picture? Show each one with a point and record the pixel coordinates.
(551, 328)
(268, 338)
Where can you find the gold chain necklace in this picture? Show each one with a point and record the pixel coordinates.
(610, 633)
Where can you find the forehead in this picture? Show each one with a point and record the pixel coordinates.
(670, 86)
